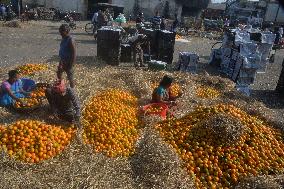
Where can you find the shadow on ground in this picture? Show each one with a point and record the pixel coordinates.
(269, 97)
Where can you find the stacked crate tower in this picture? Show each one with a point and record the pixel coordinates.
(109, 45)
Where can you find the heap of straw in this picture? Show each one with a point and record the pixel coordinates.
(153, 165)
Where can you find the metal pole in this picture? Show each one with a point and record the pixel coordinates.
(277, 12)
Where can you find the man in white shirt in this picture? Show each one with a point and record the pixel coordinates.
(3, 11)
(95, 18)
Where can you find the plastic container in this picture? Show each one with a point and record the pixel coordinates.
(157, 65)
(162, 113)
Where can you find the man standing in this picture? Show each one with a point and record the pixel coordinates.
(95, 18)
(95, 22)
(136, 42)
(64, 102)
(67, 54)
(3, 11)
(102, 19)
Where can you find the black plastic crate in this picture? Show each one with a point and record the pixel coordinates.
(126, 53)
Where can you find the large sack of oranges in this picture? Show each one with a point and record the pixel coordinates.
(258, 150)
(34, 141)
(207, 92)
(174, 90)
(28, 69)
(110, 123)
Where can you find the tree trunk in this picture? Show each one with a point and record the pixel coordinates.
(280, 84)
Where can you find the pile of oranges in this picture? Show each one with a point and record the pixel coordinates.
(207, 92)
(154, 109)
(29, 69)
(110, 123)
(39, 92)
(2, 129)
(260, 149)
(174, 90)
(34, 141)
(178, 36)
(27, 103)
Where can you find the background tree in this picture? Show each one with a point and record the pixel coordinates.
(166, 12)
(136, 8)
(200, 4)
(5, 1)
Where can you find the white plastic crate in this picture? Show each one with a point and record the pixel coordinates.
(268, 37)
(242, 37)
(187, 61)
(263, 66)
(247, 73)
(252, 61)
(245, 80)
(245, 89)
(264, 49)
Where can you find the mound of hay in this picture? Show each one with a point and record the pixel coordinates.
(262, 182)
(156, 165)
(223, 128)
(13, 24)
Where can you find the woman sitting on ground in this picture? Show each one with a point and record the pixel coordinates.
(12, 89)
(161, 94)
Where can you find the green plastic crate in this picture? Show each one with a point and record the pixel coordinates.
(157, 65)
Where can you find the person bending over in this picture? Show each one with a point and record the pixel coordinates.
(64, 102)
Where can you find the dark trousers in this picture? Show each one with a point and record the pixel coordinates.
(138, 55)
(66, 116)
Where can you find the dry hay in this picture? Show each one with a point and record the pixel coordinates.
(12, 24)
(216, 82)
(79, 167)
(156, 165)
(223, 125)
(262, 182)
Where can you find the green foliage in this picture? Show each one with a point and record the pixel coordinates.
(5, 1)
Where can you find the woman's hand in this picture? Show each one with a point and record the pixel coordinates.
(173, 103)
